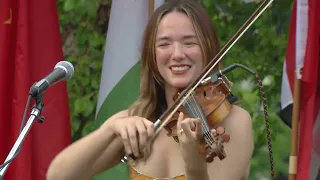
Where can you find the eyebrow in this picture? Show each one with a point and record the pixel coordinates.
(189, 37)
(184, 37)
(163, 38)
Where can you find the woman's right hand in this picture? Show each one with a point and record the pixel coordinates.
(134, 132)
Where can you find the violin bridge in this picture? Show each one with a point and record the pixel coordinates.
(227, 82)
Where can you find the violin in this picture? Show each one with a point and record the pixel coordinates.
(211, 102)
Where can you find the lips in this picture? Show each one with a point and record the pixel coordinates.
(180, 69)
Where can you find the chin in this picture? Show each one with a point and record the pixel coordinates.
(180, 85)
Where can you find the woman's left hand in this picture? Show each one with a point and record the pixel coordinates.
(190, 133)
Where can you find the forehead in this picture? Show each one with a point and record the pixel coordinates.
(175, 23)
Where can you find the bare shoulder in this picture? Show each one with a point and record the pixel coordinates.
(239, 126)
(239, 149)
(240, 118)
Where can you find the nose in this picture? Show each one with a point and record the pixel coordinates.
(178, 53)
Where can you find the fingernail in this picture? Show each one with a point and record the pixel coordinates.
(136, 154)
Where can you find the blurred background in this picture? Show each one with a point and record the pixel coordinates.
(262, 48)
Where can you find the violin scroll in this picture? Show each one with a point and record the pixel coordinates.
(216, 148)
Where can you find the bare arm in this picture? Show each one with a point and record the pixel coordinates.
(98, 151)
(198, 169)
(247, 173)
(199, 173)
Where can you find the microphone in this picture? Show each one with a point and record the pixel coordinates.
(63, 70)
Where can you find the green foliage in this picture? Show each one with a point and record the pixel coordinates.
(262, 49)
(83, 33)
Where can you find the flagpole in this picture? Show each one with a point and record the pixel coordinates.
(151, 7)
(294, 130)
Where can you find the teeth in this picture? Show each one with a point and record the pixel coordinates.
(180, 68)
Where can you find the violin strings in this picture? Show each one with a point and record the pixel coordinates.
(204, 128)
(205, 125)
(197, 111)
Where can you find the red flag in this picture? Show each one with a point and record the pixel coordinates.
(310, 98)
(30, 46)
(303, 53)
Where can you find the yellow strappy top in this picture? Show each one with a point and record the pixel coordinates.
(135, 175)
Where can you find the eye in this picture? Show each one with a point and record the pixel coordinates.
(163, 44)
(190, 43)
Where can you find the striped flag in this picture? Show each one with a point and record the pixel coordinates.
(302, 62)
(119, 86)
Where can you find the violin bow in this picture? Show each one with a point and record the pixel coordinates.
(189, 90)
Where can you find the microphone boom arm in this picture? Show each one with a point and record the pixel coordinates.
(34, 115)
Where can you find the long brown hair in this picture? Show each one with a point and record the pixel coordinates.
(151, 83)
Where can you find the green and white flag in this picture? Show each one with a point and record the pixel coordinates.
(119, 86)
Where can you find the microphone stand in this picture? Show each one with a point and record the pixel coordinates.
(34, 115)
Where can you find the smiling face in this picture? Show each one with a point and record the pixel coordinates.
(178, 54)
(169, 39)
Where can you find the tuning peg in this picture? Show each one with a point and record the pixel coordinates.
(220, 130)
(226, 138)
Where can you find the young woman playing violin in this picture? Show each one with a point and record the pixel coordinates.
(178, 43)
